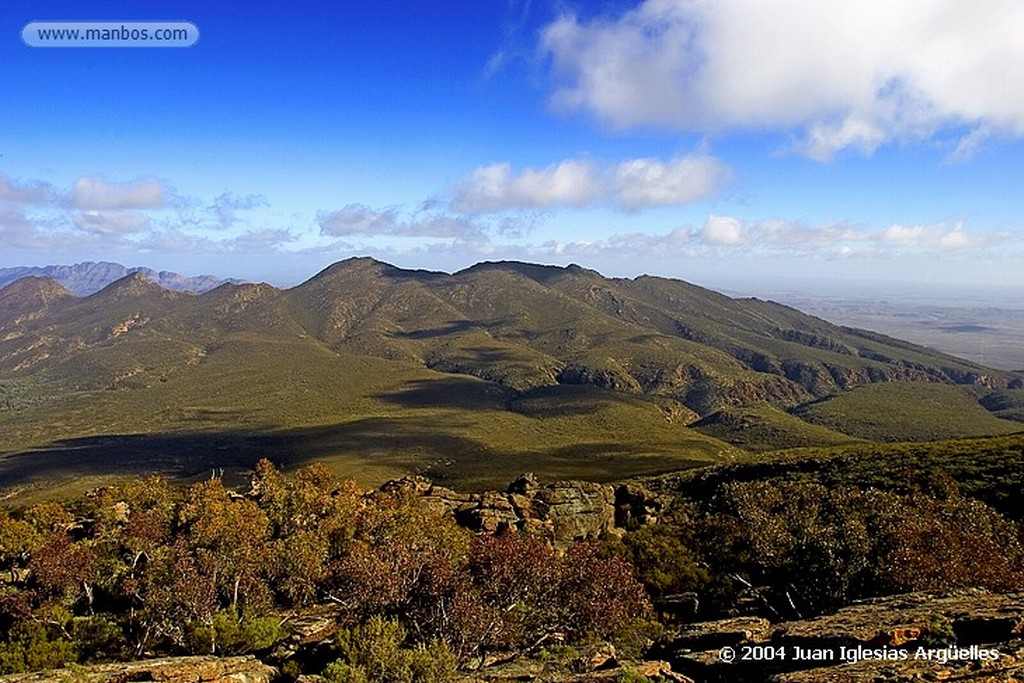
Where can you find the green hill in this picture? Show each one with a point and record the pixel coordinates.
(906, 411)
(766, 428)
(1007, 404)
(471, 377)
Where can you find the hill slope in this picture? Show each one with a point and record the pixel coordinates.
(474, 376)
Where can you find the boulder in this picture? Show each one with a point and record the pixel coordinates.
(578, 510)
(635, 506)
(709, 635)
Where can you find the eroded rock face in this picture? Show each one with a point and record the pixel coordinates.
(563, 512)
(167, 670)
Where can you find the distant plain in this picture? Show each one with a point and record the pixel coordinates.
(984, 329)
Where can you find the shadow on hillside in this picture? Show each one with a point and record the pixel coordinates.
(461, 393)
(402, 444)
(464, 393)
(369, 450)
(564, 400)
(453, 327)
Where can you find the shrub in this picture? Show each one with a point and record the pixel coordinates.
(230, 635)
(373, 652)
(31, 646)
(826, 547)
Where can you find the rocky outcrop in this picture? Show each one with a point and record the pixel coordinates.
(635, 506)
(596, 663)
(969, 633)
(1008, 668)
(167, 670)
(563, 512)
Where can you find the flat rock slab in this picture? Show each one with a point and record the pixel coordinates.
(166, 670)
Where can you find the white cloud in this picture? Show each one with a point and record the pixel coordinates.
(262, 240)
(723, 231)
(17, 231)
(101, 215)
(358, 219)
(110, 222)
(844, 74)
(726, 236)
(572, 182)
(940, 236)
(94, 193)
(642, 183)
(22, 193)
(631, 185)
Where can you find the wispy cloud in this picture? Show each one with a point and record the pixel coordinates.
(116, 222)
(631, 185)
(37, 192)
(95, 193)
(142, 215)
(726, 236)
(227, 205)
(361, 220)
(848, 74)
(507, 221)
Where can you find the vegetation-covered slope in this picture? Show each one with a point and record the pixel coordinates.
(473, 376)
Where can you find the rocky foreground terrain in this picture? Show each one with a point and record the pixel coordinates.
(959, 635)
(988, 630)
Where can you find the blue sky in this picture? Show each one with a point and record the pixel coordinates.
(738, 143)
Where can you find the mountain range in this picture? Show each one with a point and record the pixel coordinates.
(82, 279)
(472, 376)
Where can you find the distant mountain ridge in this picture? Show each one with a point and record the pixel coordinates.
(89, 277)
(518, 325)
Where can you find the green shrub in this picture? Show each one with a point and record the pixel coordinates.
(662, 560)
(98, 640)
(373, 652)
(339, 672)
(231, 635)
(32, 646)
(940, 633)
(635, 637)
(433, 663)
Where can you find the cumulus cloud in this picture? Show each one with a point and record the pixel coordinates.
(261, 240)
(796, 238)
(641, 183)
(723, 231)
(632, 185)
(844, 74)
(572, 182)
(129, 216)
(359, 219)
(95, 193)
(17, 231)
